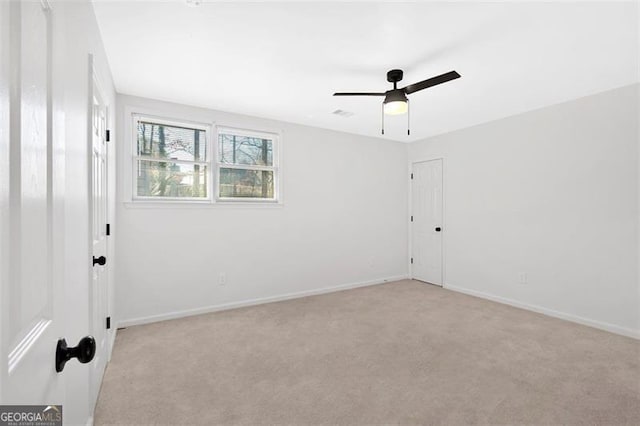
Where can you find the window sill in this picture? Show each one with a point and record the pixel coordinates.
(202, 205)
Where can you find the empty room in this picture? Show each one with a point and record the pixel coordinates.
(319, 213)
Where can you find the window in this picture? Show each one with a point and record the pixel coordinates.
(171, 161)
(180, 161)
(247, 168)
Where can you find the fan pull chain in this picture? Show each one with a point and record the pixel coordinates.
(408, 115)
(383, 119)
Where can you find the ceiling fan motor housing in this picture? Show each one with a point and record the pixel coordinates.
(395, 95)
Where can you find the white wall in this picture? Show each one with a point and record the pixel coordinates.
(75, 37)
(343, 222)
(552, 193)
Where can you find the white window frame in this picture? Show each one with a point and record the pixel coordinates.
(275, 168)
(133, 115)
(207, 128)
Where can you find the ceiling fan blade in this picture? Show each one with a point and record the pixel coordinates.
(358, 94)
(430, 82)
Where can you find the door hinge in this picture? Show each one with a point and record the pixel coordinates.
(108, 229)
(108, 135)
(412, 260)
(411, 175)
(108, 323)
(411, 218)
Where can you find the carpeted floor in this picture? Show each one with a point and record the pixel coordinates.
(398, 353)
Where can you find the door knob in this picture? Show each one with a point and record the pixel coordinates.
(99, 260)
(437, 229)
(85, 352)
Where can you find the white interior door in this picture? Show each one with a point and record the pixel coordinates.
(100, 282)
(426, 225)
(31, 209)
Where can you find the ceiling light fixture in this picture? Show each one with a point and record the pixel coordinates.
(396, 103)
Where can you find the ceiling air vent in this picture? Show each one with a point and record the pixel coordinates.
(342, 113)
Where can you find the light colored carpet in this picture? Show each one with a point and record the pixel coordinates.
(398, 353)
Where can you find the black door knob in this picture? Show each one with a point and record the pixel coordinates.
(85, 351)
(437, 229)
(99, 260)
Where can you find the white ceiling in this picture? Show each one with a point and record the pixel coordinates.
(285, 60)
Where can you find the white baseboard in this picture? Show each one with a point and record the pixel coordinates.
(251, 302)
(628, 332)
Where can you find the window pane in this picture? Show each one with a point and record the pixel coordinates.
(171, 142)
(234, 149)
(167, 179)
(239, 183)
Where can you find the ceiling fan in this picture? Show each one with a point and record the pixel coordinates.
(395, 100)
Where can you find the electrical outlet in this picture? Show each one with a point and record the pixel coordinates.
(522, 278)
(222, 278)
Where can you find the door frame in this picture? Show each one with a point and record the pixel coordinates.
(95, 86)
(410, 223)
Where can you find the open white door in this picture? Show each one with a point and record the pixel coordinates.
(426, 225)
(31, 209)
(98, 194)
(34, 231)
